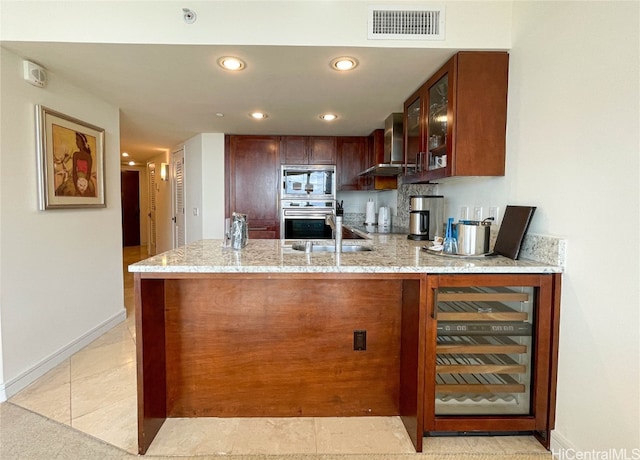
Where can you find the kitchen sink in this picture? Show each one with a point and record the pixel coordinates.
(331, 248)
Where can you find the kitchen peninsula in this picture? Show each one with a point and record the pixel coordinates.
(269, 331)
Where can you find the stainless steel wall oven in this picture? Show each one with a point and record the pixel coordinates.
(305, 219)
(307, 197)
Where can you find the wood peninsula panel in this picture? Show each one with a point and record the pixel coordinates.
(150, 358)
(412, 363)
(282, 347)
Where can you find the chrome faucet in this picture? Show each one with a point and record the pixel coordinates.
(335, 222)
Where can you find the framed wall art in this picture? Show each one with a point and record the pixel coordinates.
(70, 161)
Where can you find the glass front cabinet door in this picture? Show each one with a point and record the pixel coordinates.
(437, 124)
(413, 133)
(489, 362)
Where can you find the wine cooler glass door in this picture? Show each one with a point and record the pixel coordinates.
(484, 350)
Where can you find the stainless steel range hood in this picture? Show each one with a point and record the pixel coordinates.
(393, 149)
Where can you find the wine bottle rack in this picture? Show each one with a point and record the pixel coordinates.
(483, 350)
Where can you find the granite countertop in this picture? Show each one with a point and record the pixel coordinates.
(392, 253)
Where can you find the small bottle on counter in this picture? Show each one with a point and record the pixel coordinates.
(450, 243)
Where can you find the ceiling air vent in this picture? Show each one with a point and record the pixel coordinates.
(405, 23)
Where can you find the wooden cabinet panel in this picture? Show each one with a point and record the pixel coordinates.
(293, 150)
(375, 156)
(351, 162)
(308, 150)
(322, 150)
(252, 179)
(481, 114)
(375, 148)
(277, 347)
(264, 230)
(455, 124)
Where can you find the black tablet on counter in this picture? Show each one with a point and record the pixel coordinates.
(515, 224)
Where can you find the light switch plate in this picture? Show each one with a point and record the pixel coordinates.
(493, 212)
(477, 213)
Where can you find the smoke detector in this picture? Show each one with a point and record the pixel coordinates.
(35, 74)
(189, 15)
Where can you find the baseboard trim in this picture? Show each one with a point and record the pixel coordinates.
(15, 385)
(560, 446)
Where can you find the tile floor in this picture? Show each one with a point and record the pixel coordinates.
(95, 392)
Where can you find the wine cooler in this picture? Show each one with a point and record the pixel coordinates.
(491, 354)
(491, 350)
(484, 350)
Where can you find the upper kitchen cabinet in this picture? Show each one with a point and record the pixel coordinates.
(375, 156)
(252, 179)
(455, 124)
(352, 155)
(308, 150)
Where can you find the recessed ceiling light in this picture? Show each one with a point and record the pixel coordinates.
(231, 63)
(220, 114)
(132, 163)
(344, 63)
(328, 116)
(258, 115)
(125, 154)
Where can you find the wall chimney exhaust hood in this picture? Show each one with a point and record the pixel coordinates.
(393, 149)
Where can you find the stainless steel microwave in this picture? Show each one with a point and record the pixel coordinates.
(308, 182)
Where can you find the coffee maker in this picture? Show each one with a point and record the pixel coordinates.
(426, 216)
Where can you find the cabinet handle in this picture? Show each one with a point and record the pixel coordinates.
(257, 229)
(420, 161)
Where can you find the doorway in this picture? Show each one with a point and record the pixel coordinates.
(130, 197)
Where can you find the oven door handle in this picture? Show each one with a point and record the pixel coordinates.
(305, 215)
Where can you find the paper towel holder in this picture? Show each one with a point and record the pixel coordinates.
(370, 214)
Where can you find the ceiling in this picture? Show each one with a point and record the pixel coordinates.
(169, 93)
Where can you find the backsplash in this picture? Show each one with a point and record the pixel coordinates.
(540, 248)
(546, 249)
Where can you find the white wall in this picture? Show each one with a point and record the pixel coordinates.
(470, 24)
(573, 151)
(212, 174)
(356, 202)
(204, 186)
(193, 188)
(61, 270)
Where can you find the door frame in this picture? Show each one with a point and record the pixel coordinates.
(152, 186)
(178, 191)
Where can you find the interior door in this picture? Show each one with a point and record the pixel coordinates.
(130, 199)
(179, 217)
(151, 175)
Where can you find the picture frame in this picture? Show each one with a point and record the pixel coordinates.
(70, 162)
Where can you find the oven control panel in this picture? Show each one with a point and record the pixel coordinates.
(312, 204)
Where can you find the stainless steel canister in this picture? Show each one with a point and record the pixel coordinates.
(239, 230)
(473, 237)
